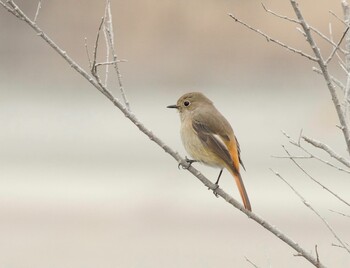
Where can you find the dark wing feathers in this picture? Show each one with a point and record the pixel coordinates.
(215, 124)
(239, 153)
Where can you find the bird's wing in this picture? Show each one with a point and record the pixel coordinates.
(211, 132)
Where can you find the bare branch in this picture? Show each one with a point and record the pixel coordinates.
(37, 11)
(310, 155)
(317, 256)
(302, 32)
(87, 53)
(268, 38)
(326, 75)
(161, 144)
(329, 40)
(346, 11)
(12, 11)
(339, 246)
(314, 180)
(252, 263)
(278, 15)
(334, 80)
(292, 157)
(110, 37)
(337, 212)
(337, 46)
(307, 204)
(108, 63)
(327, 149)
(336, 52)
(337, 17)
(94, 67)
(107, 47)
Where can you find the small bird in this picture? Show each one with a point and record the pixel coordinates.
(208, 137)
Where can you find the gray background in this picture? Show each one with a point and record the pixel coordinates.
(80, 186)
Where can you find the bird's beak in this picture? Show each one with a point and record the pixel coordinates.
(173, 106)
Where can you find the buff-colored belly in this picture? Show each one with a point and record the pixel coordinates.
(196, 149)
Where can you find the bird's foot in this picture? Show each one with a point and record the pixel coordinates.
(189, 163)
(215, 189)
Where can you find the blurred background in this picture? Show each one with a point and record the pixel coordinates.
(80, 186)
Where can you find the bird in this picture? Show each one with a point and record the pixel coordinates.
(209, 138)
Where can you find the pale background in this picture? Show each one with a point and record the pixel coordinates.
(80, 186)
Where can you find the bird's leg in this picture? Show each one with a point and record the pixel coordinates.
(217, 183)
(188, 161)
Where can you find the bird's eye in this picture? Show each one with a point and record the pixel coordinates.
(186, 103)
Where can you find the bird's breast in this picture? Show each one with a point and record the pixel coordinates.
(196, 148)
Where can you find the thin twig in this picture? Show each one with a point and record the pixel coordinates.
(311, 155)
(337, 17)
(161, 144)
(110, 36)
(345, 215)
(331, 38)
(37, 11)
(314, 180)
(337, 46)
(317, 256)
(87, 53)
(107, 46)
(108, 63)
(307, 204)
(302, 32)
(252, 263)
(94, 67)
(12, 11)
(278, 15)
(326, 75)
(327, 149)
(346, 11)
(335, 80)
(268, 38)
(339, 246)
(292, 157)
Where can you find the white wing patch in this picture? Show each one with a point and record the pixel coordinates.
(220, 140)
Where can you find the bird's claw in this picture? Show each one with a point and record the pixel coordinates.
(188, 161)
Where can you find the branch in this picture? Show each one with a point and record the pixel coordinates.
(94, 67)
(346, 11)
(316, 181)
(307, 204)
(108, 63)
(110, 37)
(37, 11)
(327, 77)
(337, 212)
(327, 149)
(334, 80)
(317, 256)
(252, 263)
(337, 46)
(268, 38)
(12, 11)
(278, 15)
(87, 53)
(128, 114)
(297, 22)
(310, 155)
(337, 17)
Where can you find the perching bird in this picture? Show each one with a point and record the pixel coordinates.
(208, 137)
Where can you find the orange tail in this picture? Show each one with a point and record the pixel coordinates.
(234, 170)
(241, 189)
